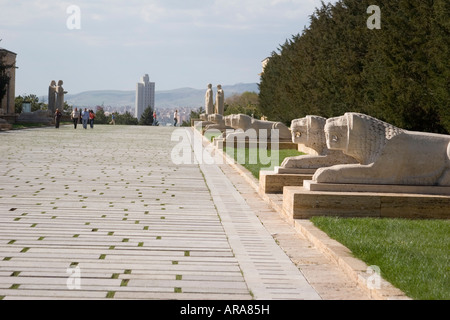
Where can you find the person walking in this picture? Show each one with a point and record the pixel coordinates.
(175, 118)
(91, 118)
(75, 115)
(85, 117)
(113, 119)
(154, 118)
(58, 116)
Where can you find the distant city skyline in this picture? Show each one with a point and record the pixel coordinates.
(105, 45)
(188, 97)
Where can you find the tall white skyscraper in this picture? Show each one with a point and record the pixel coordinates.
(145, 95)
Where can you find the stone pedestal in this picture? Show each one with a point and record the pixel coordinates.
(377, 188)
(274, 181)
(352, 200)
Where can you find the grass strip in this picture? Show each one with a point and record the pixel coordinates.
(413, 255)
(249, 158)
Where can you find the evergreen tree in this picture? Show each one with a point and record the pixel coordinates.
(147, 117)
(245, 103)
(126, 119)
(100, 117)
(32, 99)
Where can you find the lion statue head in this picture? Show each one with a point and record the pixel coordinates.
(359, 135)
(309, 131)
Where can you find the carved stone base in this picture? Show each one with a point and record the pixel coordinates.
(272, 182)
(375, 188)
(301, 203)
(282, 170)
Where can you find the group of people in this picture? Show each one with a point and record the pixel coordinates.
(85, 117)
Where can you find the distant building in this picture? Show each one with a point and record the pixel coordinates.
(7, 104)
(264, 64)
(145, 96)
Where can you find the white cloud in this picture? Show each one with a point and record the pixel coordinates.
(15, 13)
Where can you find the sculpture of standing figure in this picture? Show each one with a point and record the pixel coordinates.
(209, 105)
(60, 98)
(52, 97)
(220, 100)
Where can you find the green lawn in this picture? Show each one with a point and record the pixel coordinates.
(211, 135)
(413, 255)
(253, 153)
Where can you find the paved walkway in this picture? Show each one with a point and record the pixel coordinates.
(106, 213)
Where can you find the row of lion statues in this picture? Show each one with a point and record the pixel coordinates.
(354, 148)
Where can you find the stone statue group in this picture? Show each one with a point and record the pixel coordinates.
(219, 106)
(56, 96)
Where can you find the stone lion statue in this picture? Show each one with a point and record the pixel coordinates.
(243, 124)
(309, 131)
(217, 123)
(386, 154)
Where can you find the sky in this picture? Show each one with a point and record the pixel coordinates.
(110, 45)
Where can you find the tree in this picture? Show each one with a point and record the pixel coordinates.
(32, 99)
(147, 117)
(67, 109)
(126, 119)
(100, 117)
(407, 66)
(194, 115)
(245, 103)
